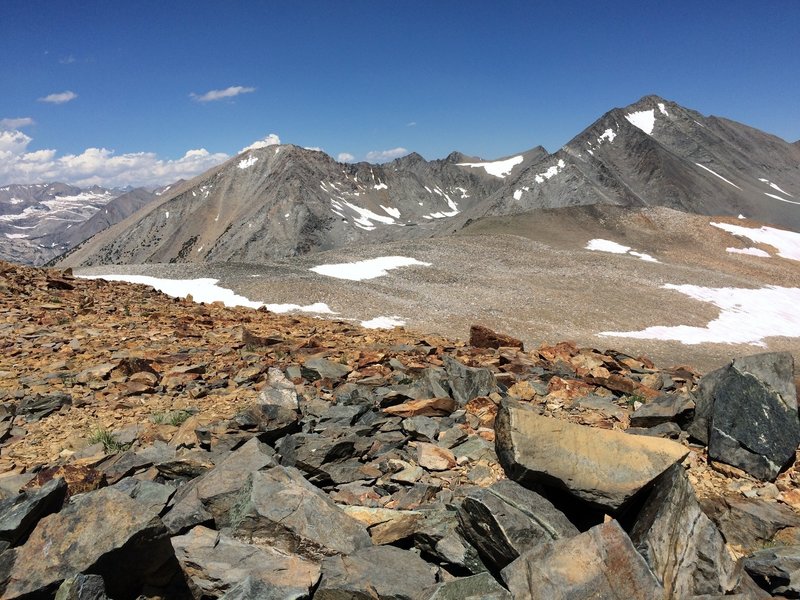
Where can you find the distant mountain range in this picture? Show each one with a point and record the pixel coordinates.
(39, 222)
(282, 201)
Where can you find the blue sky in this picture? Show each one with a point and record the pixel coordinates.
(366, 78)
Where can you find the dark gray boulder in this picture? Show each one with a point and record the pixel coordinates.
(438, 536)
(378, 573)
(666, 408)
(19, 514)
(680, 543)
(466, 382)
(600, 563)
(505, 519)
(214, 564)
(752, 523)
(477, 587)
(777, 570)
(754, 423)
(280, 509)
(82, 587)
(322, 368)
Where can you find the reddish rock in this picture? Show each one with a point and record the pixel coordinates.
(483, 337)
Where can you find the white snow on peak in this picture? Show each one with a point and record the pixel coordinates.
(498, 168)
(247, 162)
(550, 172)
(643, 119)
(601, 245)
(394, 212)
(166, 214)
(750, 251)
(747, 316)
(661, 109)
(774, 186)
(380, 186)
(16, 236)
(608, 134)
(718, 175)
(517, 194)
(383, 323)
(781, 199)
(366, 216)
(741, 216)
(366, 269)
(786, 242)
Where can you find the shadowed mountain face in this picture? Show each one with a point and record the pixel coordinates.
(657, 153)
(40, 221)
(283, 201)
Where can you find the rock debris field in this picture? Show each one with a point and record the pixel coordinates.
(153, 447)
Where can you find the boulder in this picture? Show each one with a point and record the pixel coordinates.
(477, 587)
(279, 508)
(279, 391)
(386, 525)
(214, 564)
(379, 573)
(466, 382)
(439, 536)
(20, 514)
(751, 523)
(776, 570)
(326, 369)
(600, 563)
(505, 519)
(680, 543)
(667, 408)
(483, 337)
(596, 466)
(102, 532)
(82, 587)
(754, 423)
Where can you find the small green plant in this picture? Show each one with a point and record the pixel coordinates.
(103, 436)
(633, 399)
(172, 417)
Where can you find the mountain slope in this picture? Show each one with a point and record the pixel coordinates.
(657, 153)
(283, 201)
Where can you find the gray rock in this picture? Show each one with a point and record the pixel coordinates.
(777, 570)
(477, 587)
(153, 496)
(439, 536)
(680, 543)
(704, 402)
(751, 523)
(215, 564)
(505, 519)
(82, 587)
(754, 423)
(327, 369)
(664, 409)
(381, 572)
(279, 391)
(38, 406)
(601, 468)
(422, 428)
(664, 430)
(271, 421)
(102, 532)
(279, 508)
(20, 514)
(600, 563)
(466, 382)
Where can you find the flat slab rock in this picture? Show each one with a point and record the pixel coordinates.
(601, 467)
(776, 570)
(600, 563)
(381, 572)
(214, 563)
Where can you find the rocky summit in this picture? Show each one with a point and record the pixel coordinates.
(153, 447)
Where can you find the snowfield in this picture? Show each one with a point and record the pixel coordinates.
(601, 245)
(367, 269)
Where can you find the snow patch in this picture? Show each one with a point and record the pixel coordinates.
(774, 186)
(366, 269)
(166, 214)
(248, 162)
(781, 199)
(550, 172)
(383, 323)
(786, 242)
(643, 119)
(16, 236)
(615, 248)
(608, 134)
(747, 316)
(517, 194)
(720, 176)
(750, 251)
(498, 168)
(394, 212)
(319, 308)
(381, 186)
(661, 109)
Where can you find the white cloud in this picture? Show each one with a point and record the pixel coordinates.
(96, 166)
(384, 155)
(59, 98)
(67, 60)
(345, 157)
(270, 140)
(411, 124)
(16, 123)
(229, 92)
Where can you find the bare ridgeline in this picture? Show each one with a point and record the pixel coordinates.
(153, 447)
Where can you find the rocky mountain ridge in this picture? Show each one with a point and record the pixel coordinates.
(161, 448)
(283, 201)
(39, 222)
